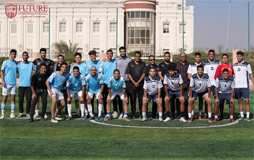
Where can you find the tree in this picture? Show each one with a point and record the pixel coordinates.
(67, 50)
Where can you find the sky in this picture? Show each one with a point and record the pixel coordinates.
(211, 21)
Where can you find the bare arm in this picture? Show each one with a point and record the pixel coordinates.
(48, 86)
(68, 92)
(189, 76)
(160, 75)
(252, 80)
(142, 77)
(2, 78)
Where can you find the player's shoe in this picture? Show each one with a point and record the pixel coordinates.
(221, 118)
(12, 115)
(59, 116)
(28, 116)
(160, 119)
(248, 119)
(215, 120)
(83, 118)
(107, 117)
(100, 118)
(19, 116)
(68, 118)
(36, 115)
(232, 120)
(205, 116)
(126, 118)
(2, 116)
(167, 119)
(210, 120)
(144, 119)
(91, 118)
(192, 116)
(53, 120)
(31, 120)
(241, 119)
(43, 119)
(121, 116)
(199, 117)
(182, 119)
(45, 116)
(59, 119)
(190, 120)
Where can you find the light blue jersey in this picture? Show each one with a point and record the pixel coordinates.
(116, 86)
(90, 64)
(57, 80)
(10, 69)
(75, 84)
(107, 70)
(94, 83)
(82, 68)
(25, 73)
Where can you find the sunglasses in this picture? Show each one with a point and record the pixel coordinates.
(151, 59)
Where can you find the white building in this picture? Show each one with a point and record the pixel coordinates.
(152, 26)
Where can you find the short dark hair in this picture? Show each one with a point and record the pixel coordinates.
(43, 64)
(240, 52)
(167, 52)
(116, 70)
(152, 68)
(224, 55)
(198, 54)
(137, 52)
(122, 48)
(14, 51)
(76, 67)
(110, 50)
(172, 67)
(93, 52)
(78, 54)
(225, 70)
(60, 55)
(43, 49)
(64, 63)
(24, 53)
(151, 56)
(200, 66)
(211, 50)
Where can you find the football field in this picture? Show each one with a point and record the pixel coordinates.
(118, 139)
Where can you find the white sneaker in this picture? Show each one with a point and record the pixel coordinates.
(144, 118)
(45, 116)
(59, 119)
(20, 115)
(54, 121)
(121, 116)
(167, 119)
(2, 116)
(160, 119)
(182, 119)
(12, 115)
(28, 116)
(36, 115)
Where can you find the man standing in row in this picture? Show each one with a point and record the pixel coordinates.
(136, 73)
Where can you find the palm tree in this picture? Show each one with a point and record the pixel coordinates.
(67, 50)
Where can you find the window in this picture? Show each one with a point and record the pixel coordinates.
(79, 26)
(29, 28)
(96, 27)
(62, 27)
(181, 28)
(165, 27)
(14, 28)
(46, 27)
(113, 49)
(113, 27)
(97, 50)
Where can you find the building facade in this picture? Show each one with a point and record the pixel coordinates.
(151, 26)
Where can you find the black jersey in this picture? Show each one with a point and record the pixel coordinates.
(38, 81)
(48, 63)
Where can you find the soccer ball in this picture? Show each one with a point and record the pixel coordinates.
(115, 115)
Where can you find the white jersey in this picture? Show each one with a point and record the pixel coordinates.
(200, 85)
(210, 69)
(193, 68)
(224, 86)
(242, 71)
(152, 85)
(173, 83)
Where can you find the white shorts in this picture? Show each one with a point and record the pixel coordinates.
(91, 95)
(76, 94)
(57, 93)
(8, 89)
(114, 94)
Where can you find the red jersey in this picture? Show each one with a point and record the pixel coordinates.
(220, 68)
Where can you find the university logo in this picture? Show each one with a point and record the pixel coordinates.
(212, 68)
(238, 69)
(11, 10)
